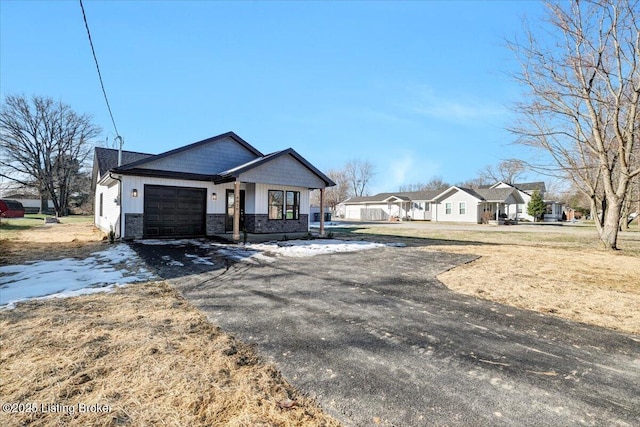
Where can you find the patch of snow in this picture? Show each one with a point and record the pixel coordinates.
(328, 224)
(200, 260)
(101, 271)
(307, 248)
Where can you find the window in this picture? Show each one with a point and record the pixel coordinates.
(293, 205)
(284, 208)
(462, 208)
(519, 208)
(101, 204)
(427, 206)
(276, 204)
(447, 208)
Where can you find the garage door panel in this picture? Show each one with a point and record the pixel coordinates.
(174, 211)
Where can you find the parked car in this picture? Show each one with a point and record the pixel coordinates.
(11, 209)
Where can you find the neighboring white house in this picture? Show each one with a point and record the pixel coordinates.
(526, 189)
(215, 186)
(460, 204)
(455, 204)
(413, 205)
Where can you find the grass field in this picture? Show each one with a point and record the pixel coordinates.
(561, 271)
(142, 354)
(153, 359)
(10, 227)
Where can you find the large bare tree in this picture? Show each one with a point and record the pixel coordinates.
(359, 174)
(508, 171)
(44, 143)
(582, 71)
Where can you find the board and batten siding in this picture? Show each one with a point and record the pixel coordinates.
(136, 204)
(262, 198)
(283, 171)
(110, 209)
(212, 158)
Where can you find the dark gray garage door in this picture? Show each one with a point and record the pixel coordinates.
(174, 211)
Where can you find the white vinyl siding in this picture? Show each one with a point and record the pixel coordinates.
(444, 211)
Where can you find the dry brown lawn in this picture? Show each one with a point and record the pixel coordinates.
(564, 272)
(142, 355)
(151, 358)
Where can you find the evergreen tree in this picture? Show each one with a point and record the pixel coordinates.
(536, 207)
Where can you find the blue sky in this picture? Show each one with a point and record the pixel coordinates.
(421, 89)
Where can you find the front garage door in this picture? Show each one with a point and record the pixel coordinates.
(174, 211)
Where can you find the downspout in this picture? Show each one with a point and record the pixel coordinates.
(119, 203)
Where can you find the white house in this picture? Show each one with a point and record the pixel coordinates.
(458, 204)
(413, 205)
(455, 204)
(526, 189)
(215, 186)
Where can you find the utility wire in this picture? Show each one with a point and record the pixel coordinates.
(95, 58)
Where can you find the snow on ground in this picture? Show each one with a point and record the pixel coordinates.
(101, 271)
(119, 265)
(266, 251)
(307, 248)
(327, 224)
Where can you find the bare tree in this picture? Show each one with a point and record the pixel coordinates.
(336, 194)
(508, 171)
(359, 174)
(436, 183)
(475, 183)
(583, 77)
(44, 143)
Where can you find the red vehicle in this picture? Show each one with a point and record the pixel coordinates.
(11, 209)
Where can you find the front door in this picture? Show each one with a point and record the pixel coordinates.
(228, 225)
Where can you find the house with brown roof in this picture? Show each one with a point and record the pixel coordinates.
(215, 186)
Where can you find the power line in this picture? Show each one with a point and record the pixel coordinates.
(95, 58)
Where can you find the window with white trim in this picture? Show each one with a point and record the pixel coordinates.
(462, 208)
(447, 208)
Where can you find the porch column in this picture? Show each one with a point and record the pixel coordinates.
(497, 212)
(322, 212)
(236, 210)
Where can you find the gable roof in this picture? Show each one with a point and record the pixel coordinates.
(498, 194)
(525, 187)
(485, 194)
(107, 158)
(530, 187)
(407, 196)
(231, 135)
(238, 170)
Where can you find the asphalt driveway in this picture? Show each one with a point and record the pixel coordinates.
(379, 341)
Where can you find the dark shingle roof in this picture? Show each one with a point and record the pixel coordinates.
(530, 187)
(107, 158)
(403, 195)
(494, 194)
